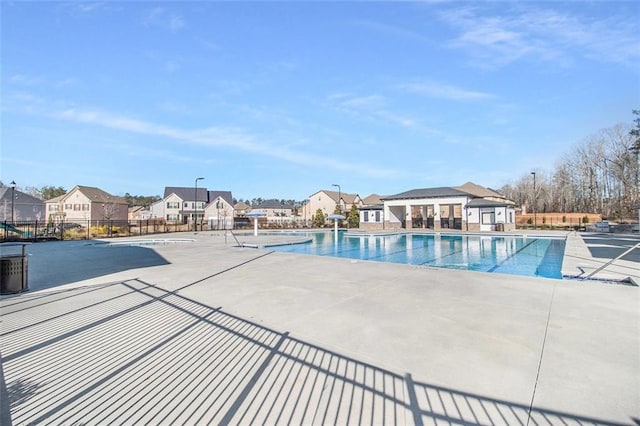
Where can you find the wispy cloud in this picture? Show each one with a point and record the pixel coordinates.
(369, 107)
(519, 32)
(25, 80)
(233, 138)
(160, 17)
(445, 91)
(394, 31)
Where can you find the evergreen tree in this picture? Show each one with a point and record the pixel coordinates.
(354, 217)
(318, 219)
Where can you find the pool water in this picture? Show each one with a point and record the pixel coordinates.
(529, 256)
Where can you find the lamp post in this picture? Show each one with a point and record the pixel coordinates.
(195, 205)
(339, 196)
(13, 198)
(534, 200)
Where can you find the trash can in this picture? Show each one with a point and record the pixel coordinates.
(14, 271)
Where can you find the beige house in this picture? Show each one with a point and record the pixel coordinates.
(219, 212)
(276, 212)
(326, 201)
(85, 203)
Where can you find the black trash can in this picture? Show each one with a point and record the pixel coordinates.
(14, 271)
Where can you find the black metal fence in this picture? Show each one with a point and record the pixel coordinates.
(78, 230)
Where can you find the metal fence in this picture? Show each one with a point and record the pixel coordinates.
(79, 230)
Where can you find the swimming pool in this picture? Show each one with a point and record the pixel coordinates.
(529, 256)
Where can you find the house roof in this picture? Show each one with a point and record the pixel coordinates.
(347, 197)
(187, 193)
(21, 197)
(57, 199)
(96, 195)
(242, 206)
(225, 195)
(273, 204)
(372, 199)
(443, 191)
(477, 190)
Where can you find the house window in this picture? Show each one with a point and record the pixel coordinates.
(76, 207)
(366, 216)
(85, 207)
(377, 216)
(54, 208)
(185, 205)
(173, 205)
(68, 206)
(172, 217)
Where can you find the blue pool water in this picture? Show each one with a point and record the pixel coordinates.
(533, 256)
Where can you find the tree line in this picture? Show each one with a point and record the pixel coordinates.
(598, 175)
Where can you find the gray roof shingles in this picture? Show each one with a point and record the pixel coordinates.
(443, 191)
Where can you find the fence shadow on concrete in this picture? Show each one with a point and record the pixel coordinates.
(132, 353)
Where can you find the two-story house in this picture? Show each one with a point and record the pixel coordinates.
(186, 204)
(326, 201)
(86, 203)
(16, 205)
(219, 212)
(276, 212)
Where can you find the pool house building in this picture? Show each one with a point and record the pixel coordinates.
(469, 207)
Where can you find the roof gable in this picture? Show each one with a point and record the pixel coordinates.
(225, 195)
(477, 190)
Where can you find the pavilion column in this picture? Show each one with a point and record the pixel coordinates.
(436, 217)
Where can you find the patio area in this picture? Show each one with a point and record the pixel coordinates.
(211, 333)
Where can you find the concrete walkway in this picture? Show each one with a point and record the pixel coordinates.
(204, 332)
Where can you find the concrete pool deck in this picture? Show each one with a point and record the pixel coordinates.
(205, 332)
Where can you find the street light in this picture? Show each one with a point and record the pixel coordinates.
(13, 197)
(534, 200)
(195, 205)
(339, 196)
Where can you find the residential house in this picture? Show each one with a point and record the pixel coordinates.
(139, 213)
(19, 205)
(219, 212)
(276, 212)
(241, 209)
(85, 203)
(469, 207)
(326, 201)
(184, 204)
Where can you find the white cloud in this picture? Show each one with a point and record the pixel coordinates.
(520, 32)
(219, 137)
(445, 91)
(159, 17)
(369, 107)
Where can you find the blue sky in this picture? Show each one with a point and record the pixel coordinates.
(281, 99)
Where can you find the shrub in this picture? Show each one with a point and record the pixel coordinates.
(585, 219)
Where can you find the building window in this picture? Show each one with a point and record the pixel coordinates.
(172, 217)
(377, 216)
(488, 218)
(76, 207)
(173, 205)
(54, 208)
(85, 207)
(68, 206)
(366, 216)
